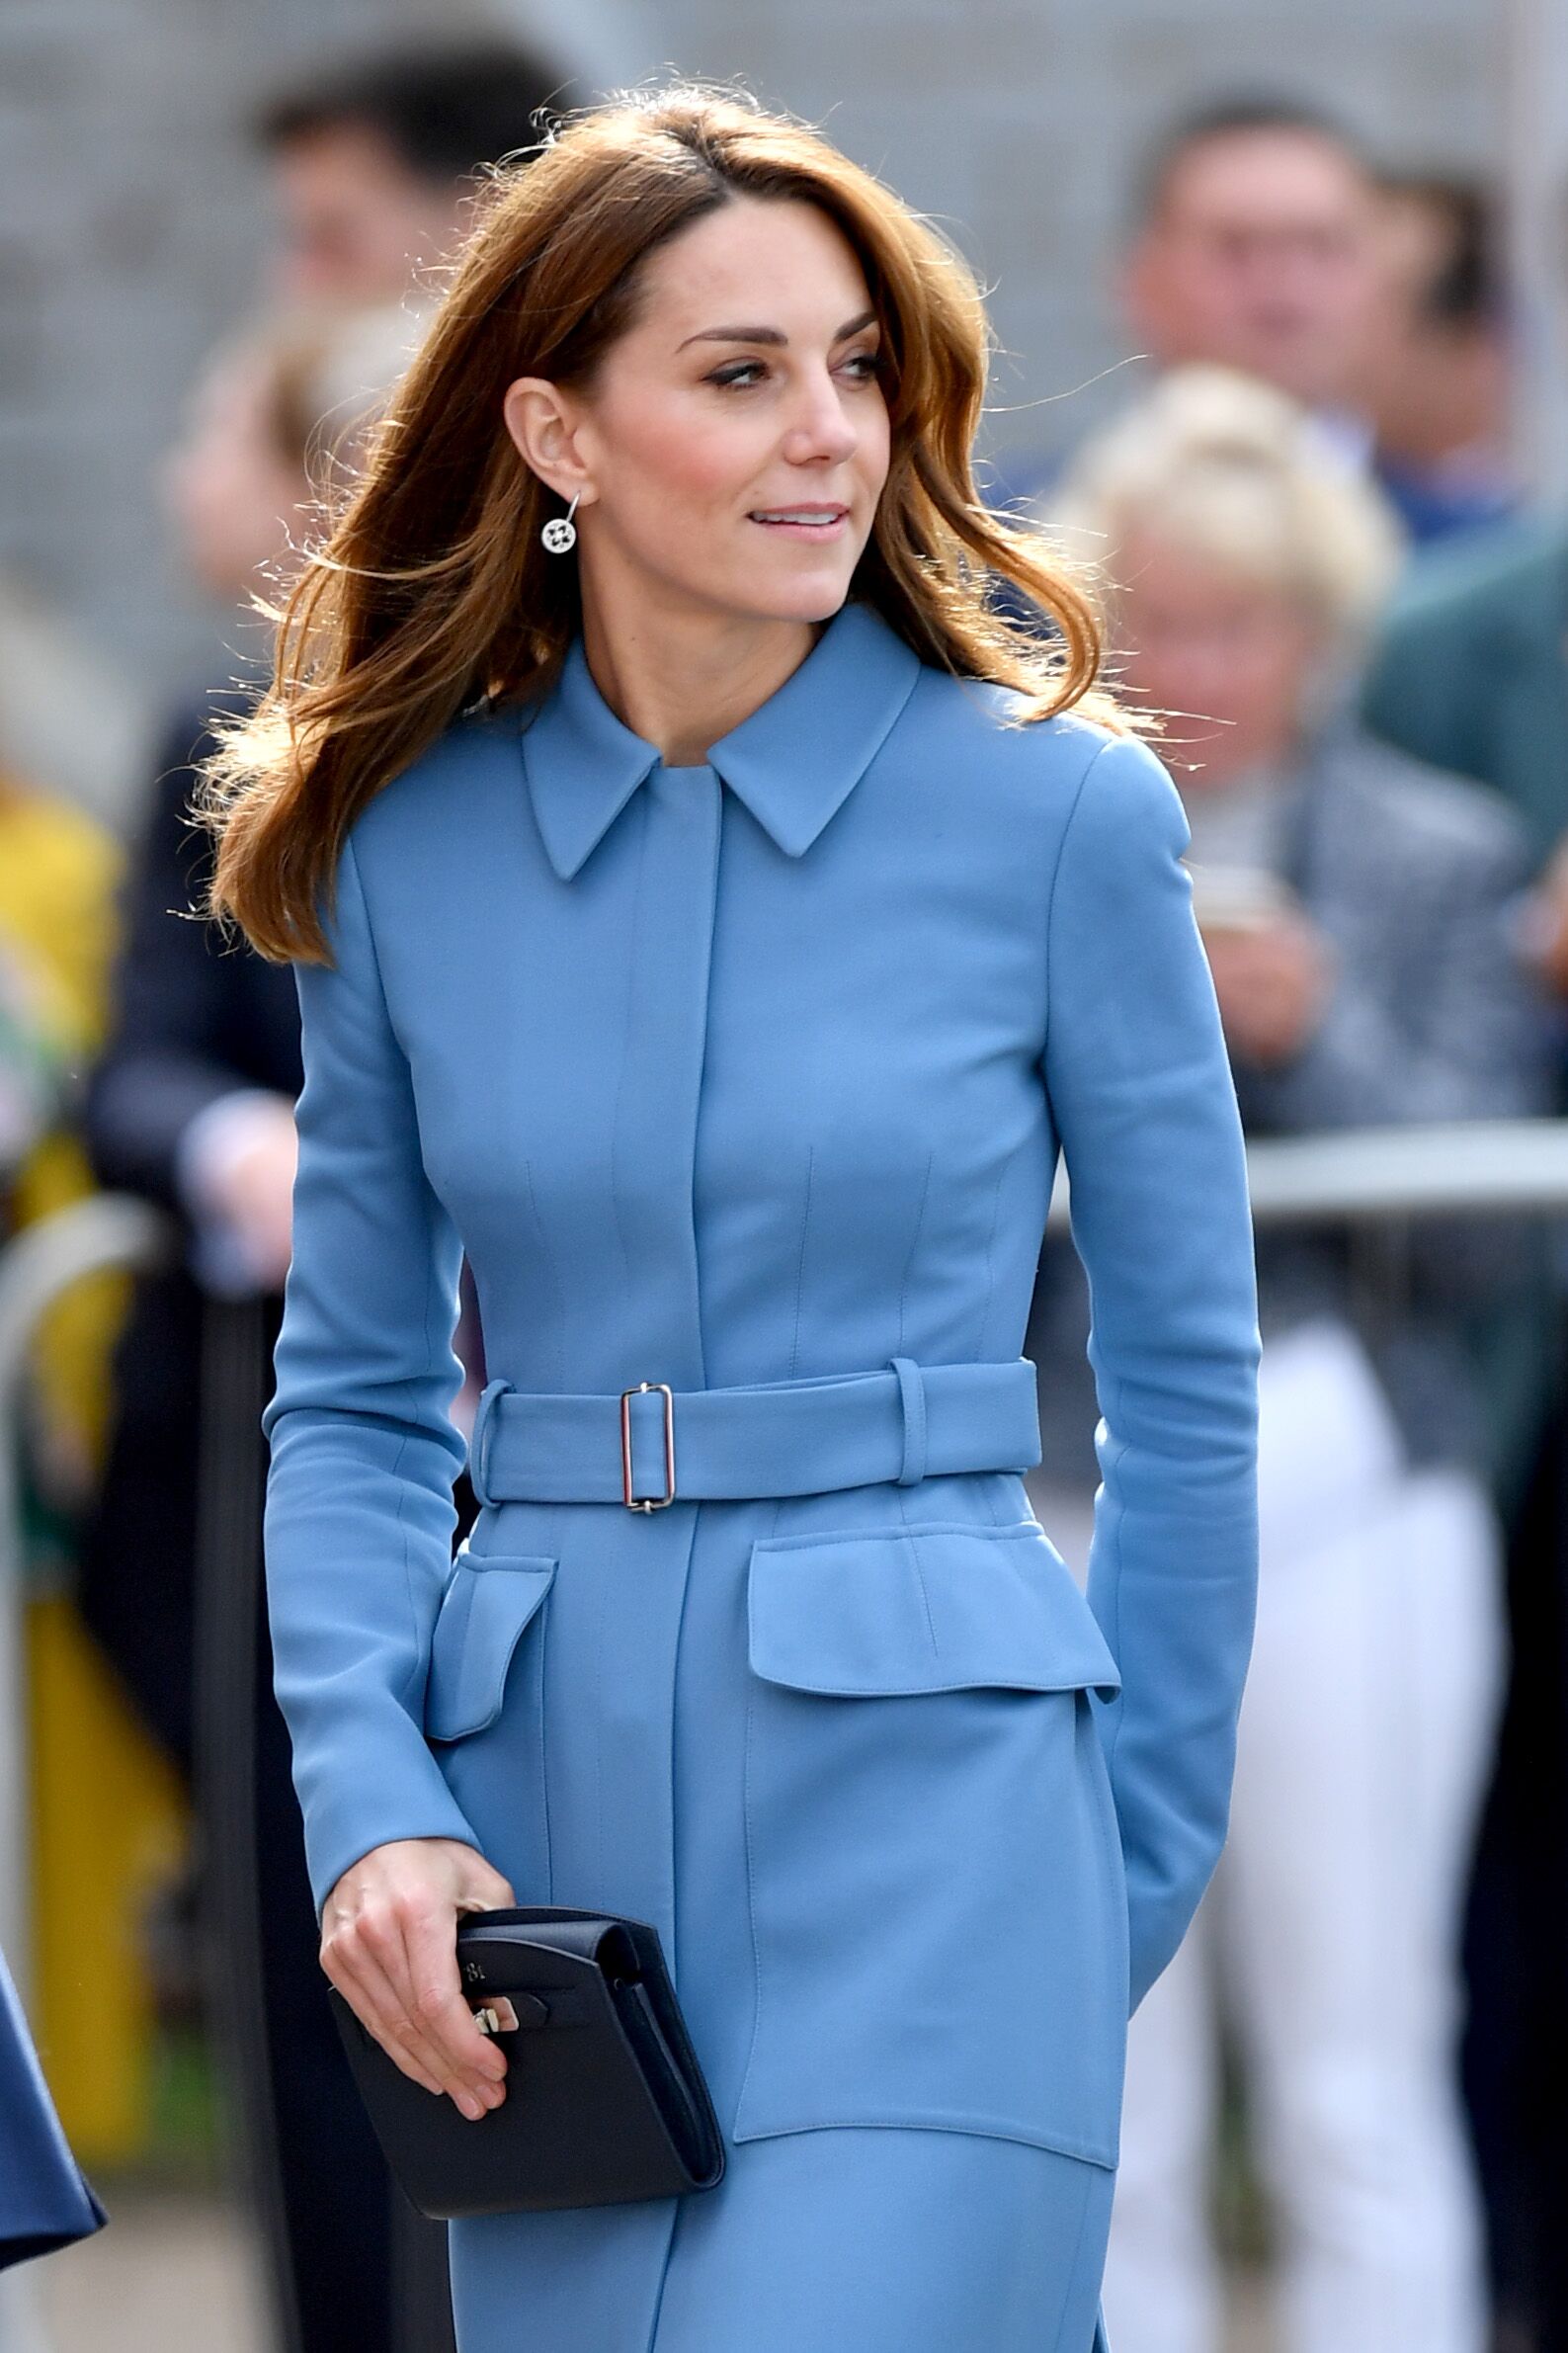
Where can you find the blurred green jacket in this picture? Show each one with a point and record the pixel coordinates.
(1472, 673)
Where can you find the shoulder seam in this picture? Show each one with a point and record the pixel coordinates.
(352, 857)
(1089, 766)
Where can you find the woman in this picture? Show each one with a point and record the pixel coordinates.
(1357, 910)
(696, 980)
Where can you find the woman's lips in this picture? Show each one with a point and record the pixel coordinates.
(811, 524)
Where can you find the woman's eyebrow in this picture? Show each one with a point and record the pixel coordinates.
(771, 335)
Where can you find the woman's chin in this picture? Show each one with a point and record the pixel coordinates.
(814, 595)
(797, 593)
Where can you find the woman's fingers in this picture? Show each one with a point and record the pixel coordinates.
(437, 2005)
(418, 2026)
(372, 1997)
(366, 1990)
(370, 1947)
(390, 1948)
(350, 1958)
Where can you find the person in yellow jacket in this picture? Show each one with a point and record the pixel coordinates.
(91, 1866)
(59, 871)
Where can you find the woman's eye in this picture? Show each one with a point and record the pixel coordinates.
(864, 367)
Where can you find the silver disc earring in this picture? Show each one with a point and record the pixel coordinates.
(560, 533)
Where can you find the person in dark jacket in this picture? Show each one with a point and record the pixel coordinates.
(372, 156)
(1437, 371)
(191, 1105)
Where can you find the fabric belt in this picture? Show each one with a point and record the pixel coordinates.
(650, 1445)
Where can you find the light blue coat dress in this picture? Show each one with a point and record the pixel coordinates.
(755, 1074)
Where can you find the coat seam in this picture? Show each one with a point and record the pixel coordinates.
(552, 1271)
(1106, 1526)
(1071, 2280)
(1056, 870)
(914, 1245)
(990, 1256)
(414, 1679)
(800, 1260)
(633, 966)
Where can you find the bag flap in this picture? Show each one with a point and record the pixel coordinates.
(487, 1603)
(930, 1607)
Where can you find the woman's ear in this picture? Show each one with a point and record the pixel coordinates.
(542, 422)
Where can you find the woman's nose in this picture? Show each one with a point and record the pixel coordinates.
(820, 429)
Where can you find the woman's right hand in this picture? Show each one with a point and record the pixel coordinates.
(389, 1945)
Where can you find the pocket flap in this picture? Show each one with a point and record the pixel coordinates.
(487, 1603)
(928, 1607)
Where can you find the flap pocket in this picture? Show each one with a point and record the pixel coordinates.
(928, 1607)
(487, 1603)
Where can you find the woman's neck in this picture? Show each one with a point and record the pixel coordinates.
(683, 684)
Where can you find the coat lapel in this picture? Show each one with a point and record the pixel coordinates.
(794, 762)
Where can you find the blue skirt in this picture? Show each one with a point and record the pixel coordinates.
(46, 2200)
(880, 2239)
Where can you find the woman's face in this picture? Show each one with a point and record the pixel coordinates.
(733, 443)
(1204, 638)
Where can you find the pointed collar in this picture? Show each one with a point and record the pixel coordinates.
(792, 762)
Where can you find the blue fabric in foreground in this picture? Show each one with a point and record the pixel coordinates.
(46, 2200)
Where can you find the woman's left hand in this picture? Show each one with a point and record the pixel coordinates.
(1273, 982)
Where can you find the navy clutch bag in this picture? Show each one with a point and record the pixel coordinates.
(605, 2100)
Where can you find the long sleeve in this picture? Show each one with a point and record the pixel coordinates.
(359, 1512)
(1139, 1083)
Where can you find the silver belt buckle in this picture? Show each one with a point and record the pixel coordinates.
(647, 1502)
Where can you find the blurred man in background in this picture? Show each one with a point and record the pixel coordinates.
(1264, 239)
(1253, 243)
(1256, 245)
(1436, 380)
(372, 162)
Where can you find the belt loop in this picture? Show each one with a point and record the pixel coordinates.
(912, 1397)
(478, 1443)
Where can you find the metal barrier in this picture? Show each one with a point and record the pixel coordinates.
(1372, 1180)
(1478, 1167)
(104, 1232)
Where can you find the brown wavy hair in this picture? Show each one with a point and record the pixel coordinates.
(430, 590)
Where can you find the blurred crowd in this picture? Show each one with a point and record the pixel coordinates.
(1324, 574)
